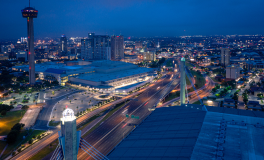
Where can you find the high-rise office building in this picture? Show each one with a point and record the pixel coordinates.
(149, 55)
(232, 72)
(22, 55)
(63, 45)
(23, 40)
(30, 13)
(96, 47)
(138, 45)
(117, 48)
(225, 56)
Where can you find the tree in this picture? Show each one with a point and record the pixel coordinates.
(25, 107)
(3, 113)
(53, 92)
(30, 141)
(18, 126)
(5, 94)
(13, 134)
(214, 89)
(70, 101)
(221, 104)
(235, 96)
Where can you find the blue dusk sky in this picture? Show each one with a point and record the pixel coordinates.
(139, 18)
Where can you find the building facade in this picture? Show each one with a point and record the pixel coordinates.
(149, 56)
(117, 48)
(232, 72)
(225, 56)
(96, 47)
(138, 45)
(22, 55)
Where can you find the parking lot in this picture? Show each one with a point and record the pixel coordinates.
(77, 102)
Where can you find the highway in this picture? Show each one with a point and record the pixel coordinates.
(105, 137)
(29, 152)
(203, 92)
(117, 126)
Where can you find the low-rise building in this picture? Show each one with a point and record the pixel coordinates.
(3, 56)
(254, 105)
(229, 103)
(102, 75)
(256, 91)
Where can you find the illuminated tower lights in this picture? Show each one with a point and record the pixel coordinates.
(30, 13)
(183, 81)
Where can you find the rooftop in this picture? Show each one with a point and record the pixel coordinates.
(98, 77)
(187, 132)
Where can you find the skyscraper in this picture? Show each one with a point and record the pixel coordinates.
(30, 13)
(117, 48)
(225, 57)
(95, 47)
(63, 45)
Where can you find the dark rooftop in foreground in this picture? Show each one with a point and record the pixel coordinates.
(188, 132)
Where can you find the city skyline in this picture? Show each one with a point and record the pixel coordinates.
(154, 18)
(131, 79)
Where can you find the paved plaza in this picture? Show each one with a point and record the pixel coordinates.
(77, 102)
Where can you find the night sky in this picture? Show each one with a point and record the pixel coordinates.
(133, 17)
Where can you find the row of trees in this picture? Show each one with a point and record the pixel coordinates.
(14, 133)
(5, 108)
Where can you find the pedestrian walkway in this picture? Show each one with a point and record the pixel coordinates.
(30, 117)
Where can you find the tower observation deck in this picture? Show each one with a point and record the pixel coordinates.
(30, 13)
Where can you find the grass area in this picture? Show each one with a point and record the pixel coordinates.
(9, 120)
(19, 141)
(188, 64)
(199, 79)
(169, 63)
(89, 121)
(187, 80)
(214, 79)
(34, 133)
(197, 102)
(45, 151)
(172, 95)
(117, 107)
(53, 123)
